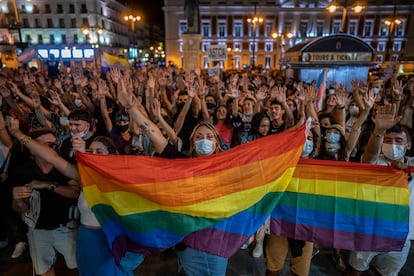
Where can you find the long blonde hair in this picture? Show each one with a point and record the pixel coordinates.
(211, 127)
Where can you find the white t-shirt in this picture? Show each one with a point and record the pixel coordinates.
(383, 162)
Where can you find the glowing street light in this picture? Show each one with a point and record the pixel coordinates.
(333, 7)
(133, 19)
(281, 44)
(254, 21)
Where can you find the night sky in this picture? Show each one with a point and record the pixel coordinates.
(150, 10)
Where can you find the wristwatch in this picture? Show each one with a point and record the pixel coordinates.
(53, 186)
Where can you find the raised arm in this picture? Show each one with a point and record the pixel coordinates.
(385, 118)
(126, 99)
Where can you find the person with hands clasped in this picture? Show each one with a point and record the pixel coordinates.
(387, 146)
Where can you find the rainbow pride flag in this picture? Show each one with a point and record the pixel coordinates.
(345, 205)
(212, 203)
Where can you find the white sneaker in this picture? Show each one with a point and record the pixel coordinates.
(245, 245)
(257, 251)
(4, 243)
(19, 250)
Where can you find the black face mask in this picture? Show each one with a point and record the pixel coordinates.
(169, 120)
(210, 105)
(180, 106)
(123, 128)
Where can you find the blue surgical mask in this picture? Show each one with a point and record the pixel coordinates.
(204, 147)
(78, 102)
(375, 90)
(307, 148)
(393, 152)
(333, 137)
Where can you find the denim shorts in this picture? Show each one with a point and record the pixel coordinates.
(198, 263)
(386, 263)
(44, 244)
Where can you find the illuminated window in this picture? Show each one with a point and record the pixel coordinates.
(336, 27)
(182, 27)
(269, 47)
(237, 29)
(368, 28)
(66, 53)
(206, 29)
(303, 29)
(77, 53)
(319, 28)
(381, 47)
(352, 29)
(55, 52)
(43, 53)
(222, 29)
(89, 53)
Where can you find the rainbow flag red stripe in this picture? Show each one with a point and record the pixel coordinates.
(345, 205)
(214, 203)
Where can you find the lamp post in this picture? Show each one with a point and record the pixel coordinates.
(132, 19)
(18, 24)
(333, 7)
(94, 43)
(281, 45)
(98, 31)
(391, 25)
(254, 21)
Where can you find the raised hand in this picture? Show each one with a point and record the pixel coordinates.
(102, 89)
(355, 85)
(234, 91)
(115, 75)
(385, 117)
(54, 98)
(398, 89)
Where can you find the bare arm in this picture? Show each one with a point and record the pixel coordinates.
(43, 151)
(385, 119)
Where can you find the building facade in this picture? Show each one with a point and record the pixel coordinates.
(59, 26)
(287, 23)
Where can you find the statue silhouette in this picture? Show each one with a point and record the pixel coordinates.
(192, 14)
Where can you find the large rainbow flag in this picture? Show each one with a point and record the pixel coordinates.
(214, 203)
(345, 205)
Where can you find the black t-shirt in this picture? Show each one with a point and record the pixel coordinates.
(66, 148)
(54, 210)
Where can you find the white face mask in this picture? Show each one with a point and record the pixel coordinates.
(393, 152)
(64, 121)
(307, 148)
(204, 147)
(80, 134)
(77, 102)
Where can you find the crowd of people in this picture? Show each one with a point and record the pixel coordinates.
(166, 112)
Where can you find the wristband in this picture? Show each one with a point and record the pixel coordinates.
(341, 107)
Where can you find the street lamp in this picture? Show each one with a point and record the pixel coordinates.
(86, 30)
(132, 19)
(281, 44)
(333, 7)
(391, 22)
(254, 21)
